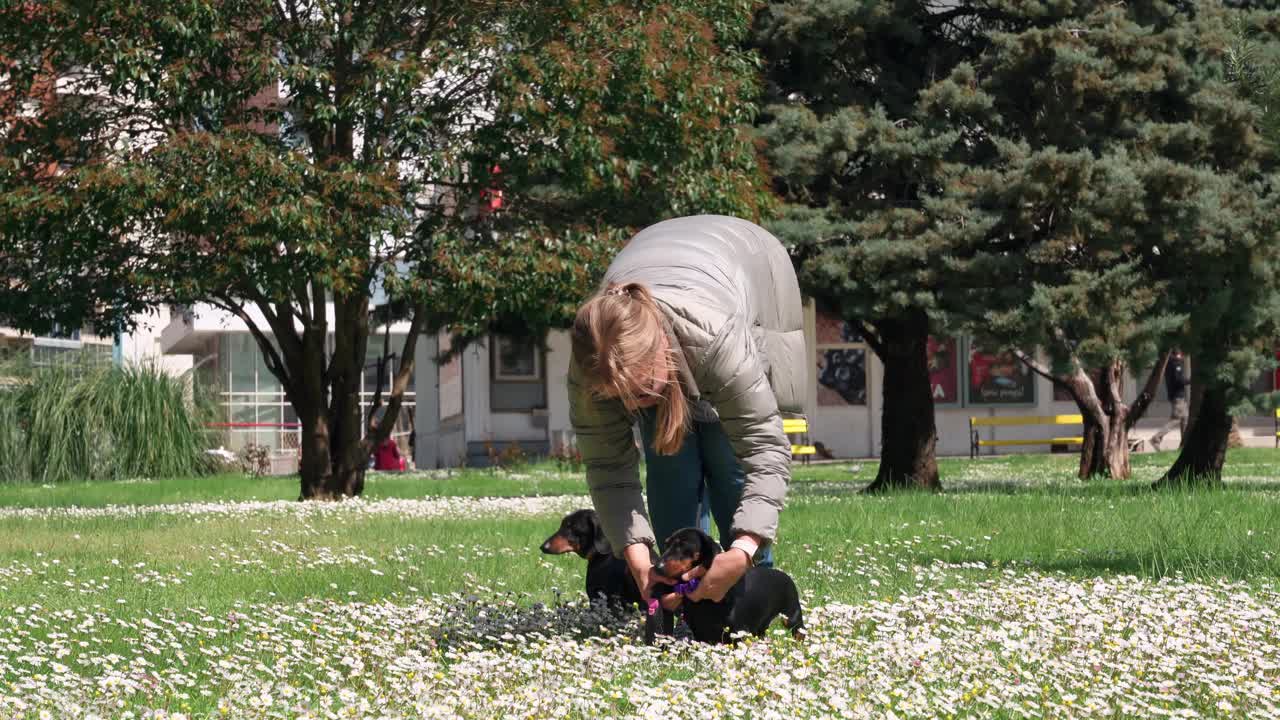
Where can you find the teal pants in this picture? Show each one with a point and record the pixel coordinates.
(702, 482)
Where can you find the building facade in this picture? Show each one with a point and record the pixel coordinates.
(501, 396)
(229, 373)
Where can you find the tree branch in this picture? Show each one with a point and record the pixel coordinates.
(1037, 367)
(270, 354)
(401, 382)
(1148, 394)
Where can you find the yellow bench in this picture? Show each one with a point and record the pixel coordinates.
(976, 444)
(800, 446)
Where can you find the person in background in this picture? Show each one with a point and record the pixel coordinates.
(1176, 384)
(387, 455)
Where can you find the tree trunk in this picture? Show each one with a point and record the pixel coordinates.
(1149, 390)
(1105, 450)
(323, 472)
(322, 478)
(1091, 456)
(908, 456)
(1204, 451)
(347, 451)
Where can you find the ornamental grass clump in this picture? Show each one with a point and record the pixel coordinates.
(89, 421)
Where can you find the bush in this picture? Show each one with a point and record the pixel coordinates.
(87, 421)
(255, 460)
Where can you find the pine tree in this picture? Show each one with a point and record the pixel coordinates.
(1230, 287)
(860, 158)
(1125, 200)
(1054, 176)
(1124, 175)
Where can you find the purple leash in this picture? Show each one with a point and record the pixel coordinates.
(684, 588)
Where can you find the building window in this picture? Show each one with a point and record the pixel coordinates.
(517, 385)
(256, 409)
(46, 354)
(516, 360)
(62, 332)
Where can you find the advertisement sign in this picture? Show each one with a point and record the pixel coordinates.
(842, 376)
(944, 370)
(999, 378)
(841, 361)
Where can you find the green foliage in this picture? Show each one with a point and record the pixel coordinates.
(55, 268)
(1075, 176)
(859, 152)
(89, 422)
(629, 114)
(597, 117)
(283, 161)
(1122, 187)
(1253, 66)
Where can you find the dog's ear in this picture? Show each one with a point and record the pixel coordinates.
(707, 550)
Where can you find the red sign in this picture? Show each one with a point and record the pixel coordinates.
(999, 379)
(944, 370)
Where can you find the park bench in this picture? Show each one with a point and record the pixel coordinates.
(800, 445)
(1278, 427)
(976, 444)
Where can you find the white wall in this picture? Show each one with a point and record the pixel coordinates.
(557, 368)
(475, 394)
(855, 431)
(142, 346)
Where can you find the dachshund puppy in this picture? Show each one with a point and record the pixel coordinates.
(609, 581)
(750, 606)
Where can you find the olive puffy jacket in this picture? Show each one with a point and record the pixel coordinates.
(729, 293)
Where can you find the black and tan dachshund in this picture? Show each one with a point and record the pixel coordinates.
(608, 579)
(750, 606)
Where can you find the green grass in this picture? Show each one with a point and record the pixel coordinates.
(238, 488)
(1001, 515)
(1050, 522)
(1013, 473)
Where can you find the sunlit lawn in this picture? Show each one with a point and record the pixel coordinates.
(206, 593)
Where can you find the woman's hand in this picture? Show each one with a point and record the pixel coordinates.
(639, 563)
(726, 570)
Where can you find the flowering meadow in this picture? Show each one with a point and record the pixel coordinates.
(1018, 593)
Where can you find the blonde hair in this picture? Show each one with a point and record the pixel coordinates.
(618, 339)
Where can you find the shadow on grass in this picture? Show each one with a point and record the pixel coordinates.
(474, 623)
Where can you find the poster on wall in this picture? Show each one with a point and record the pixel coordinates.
(842, 376)
(842, 362)
(999, 378)
(944, 370)
(829, 329)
